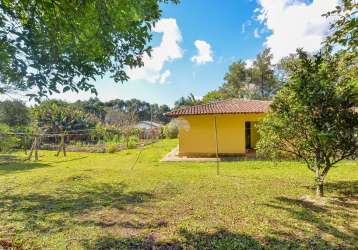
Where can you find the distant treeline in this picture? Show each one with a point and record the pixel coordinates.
(144, 111)
(15, 113)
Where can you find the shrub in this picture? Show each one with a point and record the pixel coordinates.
(7, 142)
(112, 148)
(133, 141)
(171, 130)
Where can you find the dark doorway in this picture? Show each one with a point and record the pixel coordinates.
(248, 135)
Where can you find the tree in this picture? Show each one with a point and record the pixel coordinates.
(60, 117)
(213, 96)
(190, 100)
(125, 121)
(7, 141)
(345, 28)
(14, 113)
(235, 80)
(258, 81)
(53, 46)
(92, 106)
(262, 75)
(158, 113)
(144, 110)
(313, 117)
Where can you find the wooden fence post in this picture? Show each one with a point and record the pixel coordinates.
(37, 145)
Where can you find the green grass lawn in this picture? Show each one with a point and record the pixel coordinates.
(96, 201)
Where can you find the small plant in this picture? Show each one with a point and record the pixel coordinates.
(133, 142)
(112, 148)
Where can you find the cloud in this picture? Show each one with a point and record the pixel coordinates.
(164, 76)
(256, 33)
(246, 24)
(243, 28)
(249, 63)
(294, 24)
(168, 50)
(205, 53)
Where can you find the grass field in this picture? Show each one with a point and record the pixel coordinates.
(96, 201)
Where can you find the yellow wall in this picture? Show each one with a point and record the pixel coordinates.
(197, 134)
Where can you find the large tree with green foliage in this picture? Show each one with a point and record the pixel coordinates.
(183, 101)
(313, 117)
(344, 31)
(92, 106)
(213, 96)
(7, 140)
(14, 113)
(263, 75)
(59, 117)
(53, 46)
(235, 79)
(258, 81)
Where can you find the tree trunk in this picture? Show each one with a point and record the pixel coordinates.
(62, 146)
(319, 182)
(31, 150)
(319, 189)
(262, 86)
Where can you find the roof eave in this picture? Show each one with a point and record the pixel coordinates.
(233, 113)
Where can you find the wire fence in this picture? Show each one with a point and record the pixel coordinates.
(80, 140)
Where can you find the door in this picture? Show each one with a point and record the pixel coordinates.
(248, 135)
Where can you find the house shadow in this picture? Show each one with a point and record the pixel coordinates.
(38, 212)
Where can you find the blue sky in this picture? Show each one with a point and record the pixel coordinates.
(197, 40)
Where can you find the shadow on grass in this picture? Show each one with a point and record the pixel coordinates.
(343, 188)
(13, 163)
(66, 159)
(219, 239)
(57, 212)
(8, 158)
(20, 166)
(332, 218)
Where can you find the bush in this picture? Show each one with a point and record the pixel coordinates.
(171, 130)
(112, 148)
(133, 142)
(7, 142)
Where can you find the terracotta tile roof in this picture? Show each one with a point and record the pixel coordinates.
(232, 106)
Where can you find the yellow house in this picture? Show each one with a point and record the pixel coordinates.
(226, 128)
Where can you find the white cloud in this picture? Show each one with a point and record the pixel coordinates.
(205, 53)
(245, 25)
(256, 33)
(168, 50)
(294, 24)
(164, 76)
(249, 63)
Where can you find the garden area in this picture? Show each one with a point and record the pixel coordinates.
(83, 126)
(100, 201)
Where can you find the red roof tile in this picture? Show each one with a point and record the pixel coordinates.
(232, 106)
